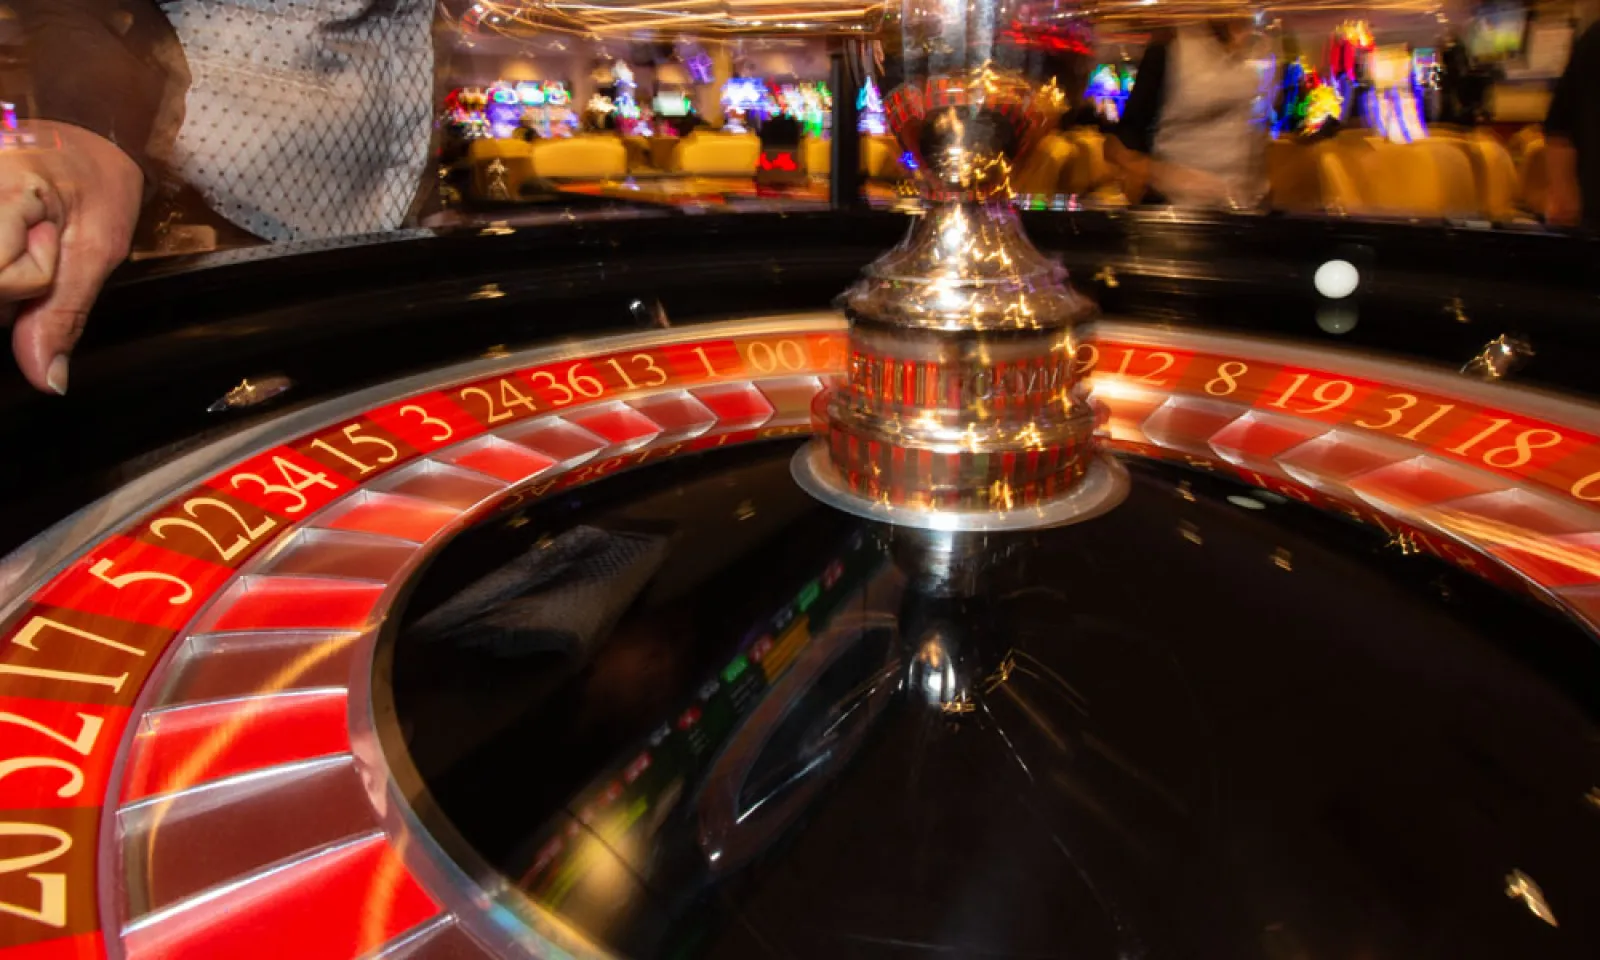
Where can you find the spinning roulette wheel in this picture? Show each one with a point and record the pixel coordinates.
(1323, 681)
(803, 634)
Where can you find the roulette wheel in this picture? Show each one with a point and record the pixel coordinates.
(585, 593)
(1324, 680)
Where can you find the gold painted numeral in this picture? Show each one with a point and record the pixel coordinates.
(102, 571)
(1227, 378)
(650, 368)
(430, 421)
(1342, 391)
(1166, 359)
(240, 542)
(710, 370)
(766, 359)
(52, 909)
(295, 480)
(510, 397)
(353, 433)
(1587, 488)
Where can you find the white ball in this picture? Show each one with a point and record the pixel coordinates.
(1337, 279)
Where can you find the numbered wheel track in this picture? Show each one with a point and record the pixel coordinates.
(190, 763)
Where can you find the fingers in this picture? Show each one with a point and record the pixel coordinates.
(29, 239)
(30, 273)
(48, 328)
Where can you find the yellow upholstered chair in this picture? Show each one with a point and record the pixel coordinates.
(1366, 176)
(638, 153)
(1293, 175)
(1337, 174)
(500, 168)
(1494, 176)
(709, 153)
(1520, 141)
(1455, 187)
(1087, 169)
(1533, 179)
(595, 156)
(880, 158)
(1371, 177)
(818, 153)
(1045, 168)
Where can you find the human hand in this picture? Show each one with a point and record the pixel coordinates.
(67, 214)
(1187, 186)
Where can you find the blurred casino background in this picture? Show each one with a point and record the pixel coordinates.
(1399, 108)
(1404, 108)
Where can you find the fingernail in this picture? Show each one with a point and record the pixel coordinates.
(56, 376)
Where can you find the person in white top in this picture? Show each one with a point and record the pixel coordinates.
(288, 119)
(1190, 134)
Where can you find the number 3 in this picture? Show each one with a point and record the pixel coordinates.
(430, 421)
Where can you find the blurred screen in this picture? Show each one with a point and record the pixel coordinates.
(1390, 67)
(670, 104)
(1497, 32)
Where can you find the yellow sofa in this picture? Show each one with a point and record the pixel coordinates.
(709, 153)
(1046, 168)
(880, 158)
(500, 168)
(1087, 170)
(595, 156)
(1369, 176)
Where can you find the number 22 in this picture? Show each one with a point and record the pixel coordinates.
(240, 542)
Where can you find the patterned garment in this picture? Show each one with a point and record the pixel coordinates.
(296, 132)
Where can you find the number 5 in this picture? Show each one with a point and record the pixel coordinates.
(102, 569)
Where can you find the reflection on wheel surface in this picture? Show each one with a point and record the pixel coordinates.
(692, 712)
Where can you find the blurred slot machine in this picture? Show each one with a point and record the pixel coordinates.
(465, 108)
(1108, 91)
(811, 104)
(1427, 74)
(535, 115)
(558, 106)
(1394, 104)
(869, 108)
(504, 110)
(745, 103)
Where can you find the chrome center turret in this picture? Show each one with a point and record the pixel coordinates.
(961, 407)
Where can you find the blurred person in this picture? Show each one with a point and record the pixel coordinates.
(1189, 133)
(279, 120)
(1572, 138)
(780, 130)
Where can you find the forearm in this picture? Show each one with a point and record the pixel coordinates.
(1133, 168)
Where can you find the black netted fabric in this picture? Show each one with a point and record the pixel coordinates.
(296, 131)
